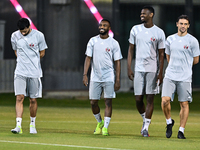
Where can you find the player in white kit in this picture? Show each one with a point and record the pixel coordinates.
(150, 44)
(29, 46)
(104, 53)
(182, 52)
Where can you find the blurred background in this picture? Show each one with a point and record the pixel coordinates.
(69, 24)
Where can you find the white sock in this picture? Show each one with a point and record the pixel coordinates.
(169, 121)
(181, 129)
(143, 116)
(19, 121)
(32, 121)
(98, 117)
(147, 123)
(106, 121)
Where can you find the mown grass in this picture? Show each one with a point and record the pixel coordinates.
(69, 123)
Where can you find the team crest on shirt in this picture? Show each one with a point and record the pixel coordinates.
(186, 46)
(153, 39)
(107, 49)
(31, 45)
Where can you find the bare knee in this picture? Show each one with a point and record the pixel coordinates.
(94, 103)
(139, 98)
(165, 101)
(32, 100)
(108, 102)
(184, 105)
(150, 99)
(19, 98)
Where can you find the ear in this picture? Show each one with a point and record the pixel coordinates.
(177, 24)
(151, 15)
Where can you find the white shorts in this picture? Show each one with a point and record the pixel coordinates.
(183, 89)
(26, 86)
(145, 83)
(96, 89)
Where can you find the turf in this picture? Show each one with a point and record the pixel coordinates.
(69, 124)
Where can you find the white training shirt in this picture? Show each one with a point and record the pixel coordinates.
(103, 52)
(147, 41)
(181, 49)
(28, 53)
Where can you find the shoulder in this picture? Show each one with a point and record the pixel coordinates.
(136, 27)
(38, 33)
(158, 29)
(94, 39)
(16, 33)
(112, 39)
(191, 37)
(172, 37)
(115, 42)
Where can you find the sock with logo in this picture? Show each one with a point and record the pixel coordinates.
(98, 117)
(147, 123)
(32, 121)
(18, 122)
(106, 121)
(143, 116)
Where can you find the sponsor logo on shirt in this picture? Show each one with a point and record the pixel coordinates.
(31, 45)
(186, 46)
(153, 39)
(107, 49)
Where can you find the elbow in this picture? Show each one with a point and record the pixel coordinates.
(42, 55)
(195, 62)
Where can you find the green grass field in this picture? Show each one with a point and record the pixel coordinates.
(69, 124)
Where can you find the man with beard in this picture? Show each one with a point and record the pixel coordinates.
(182, 52)
(150, 44)
(29, 46)
(105, 53)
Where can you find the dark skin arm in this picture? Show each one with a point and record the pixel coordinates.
(117, 75)
(15, 53)
(196, 60)
(86, 67)
(42, 53)
(161, 64)
(129, 61)
(168, 57)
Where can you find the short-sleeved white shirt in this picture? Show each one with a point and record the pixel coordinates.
(147, 41)
(28, 53)
(103, 53)
(182, 50)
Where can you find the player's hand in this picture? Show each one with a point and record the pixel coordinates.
(130, 74)
(117, 85)
(85, 80)
(160, 78)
